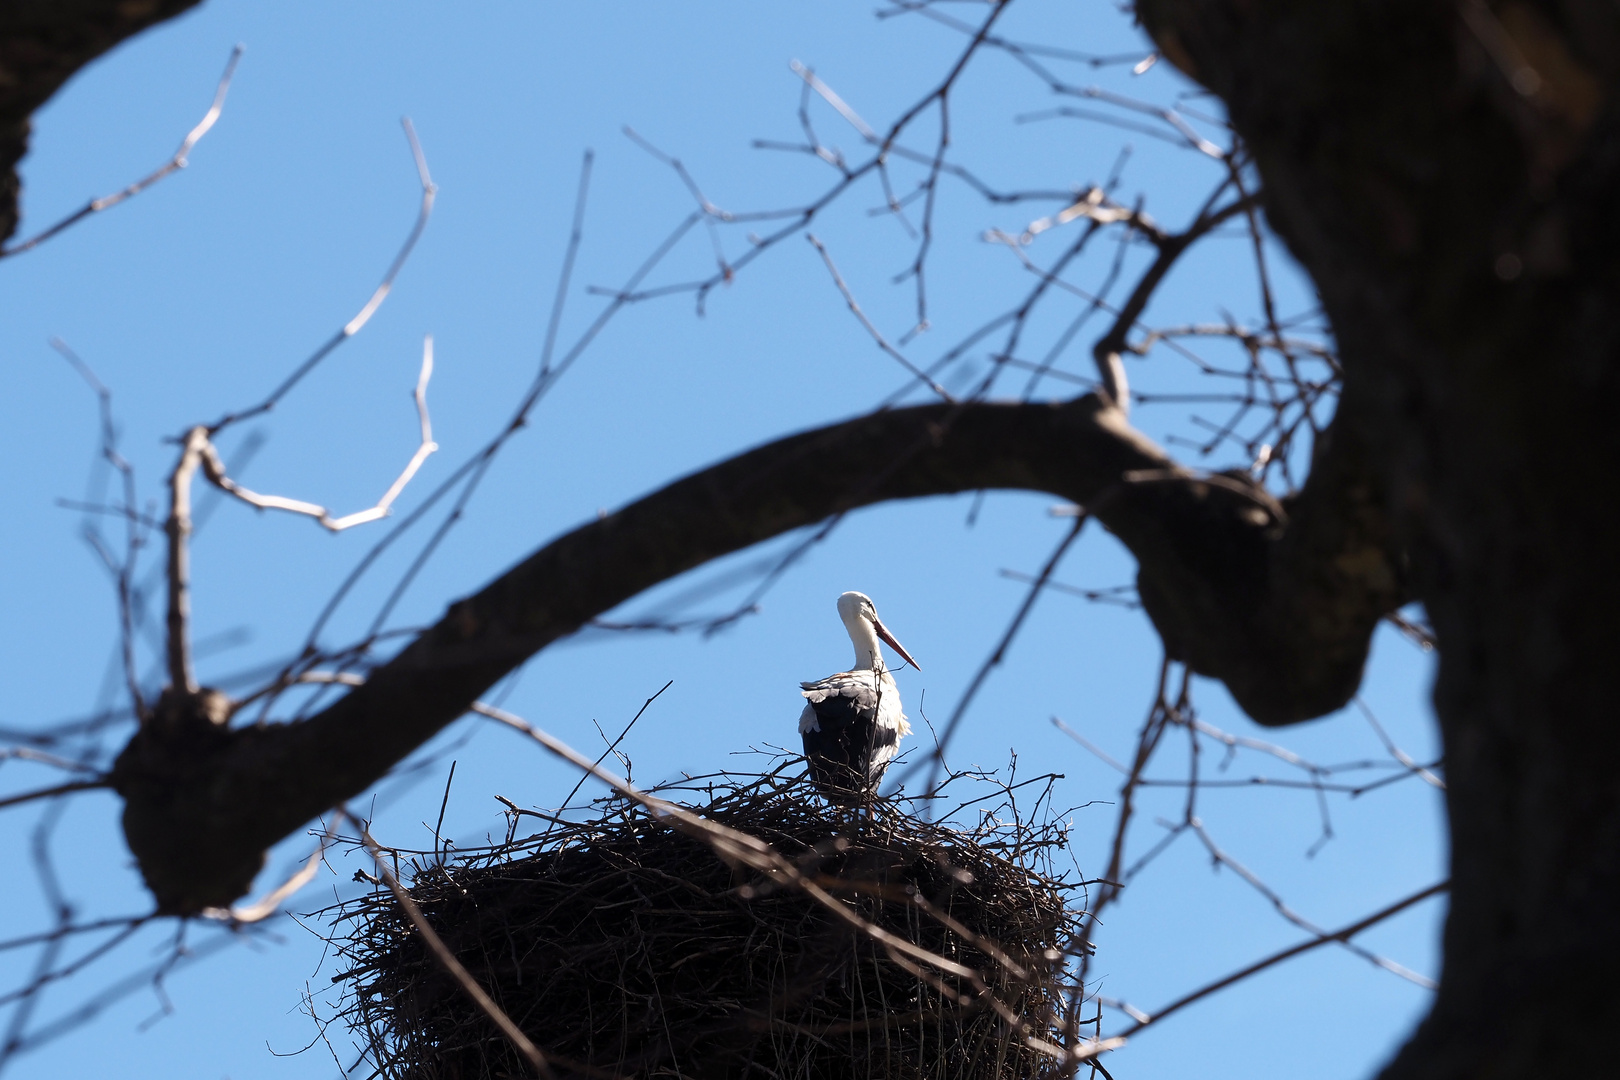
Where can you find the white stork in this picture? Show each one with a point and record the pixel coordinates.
(852, 723)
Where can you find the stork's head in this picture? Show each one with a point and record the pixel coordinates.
(861, 620)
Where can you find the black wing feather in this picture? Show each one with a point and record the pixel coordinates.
(842, 753)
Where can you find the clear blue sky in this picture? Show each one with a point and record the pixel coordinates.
(201, 294)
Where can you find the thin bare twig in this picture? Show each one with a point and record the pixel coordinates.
(51, 792)
(175, 163)
(1116, 875)
(1258, 966)
(839, 105)
(936, 760)
(136, 525)
(198, 451)
(259, 910)
(429, 191)
(877, 335)
(214, 468)
(536, 1057)
(1396, 752)
(1221, 857)
(614, 745)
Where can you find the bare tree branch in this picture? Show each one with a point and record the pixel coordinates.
(877, 335)
(175, 163)
(1213, 537)
(214, 468)
(1336, 937)
(537, 1058)
(53, 791)
(430, 191)
(41, 45)
(178, 529)
(936, 761)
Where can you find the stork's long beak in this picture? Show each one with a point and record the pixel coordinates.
(888, 638)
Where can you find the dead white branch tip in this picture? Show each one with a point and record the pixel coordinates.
(214, 468)
(179, 160)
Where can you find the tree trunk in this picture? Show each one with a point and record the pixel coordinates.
(1447, 174)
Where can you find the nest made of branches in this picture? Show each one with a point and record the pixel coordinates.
(623, 946)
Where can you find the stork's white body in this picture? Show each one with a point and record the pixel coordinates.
(852, 722)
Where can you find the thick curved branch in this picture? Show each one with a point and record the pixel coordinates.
(1214, 555)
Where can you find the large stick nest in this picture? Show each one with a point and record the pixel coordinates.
(624, 947)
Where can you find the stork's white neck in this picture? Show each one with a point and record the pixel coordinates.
(868, 657)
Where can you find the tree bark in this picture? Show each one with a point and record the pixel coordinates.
(1279, 601)
(1447, 173)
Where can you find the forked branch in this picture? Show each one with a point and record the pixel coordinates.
(198, 452)
(213, 467)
